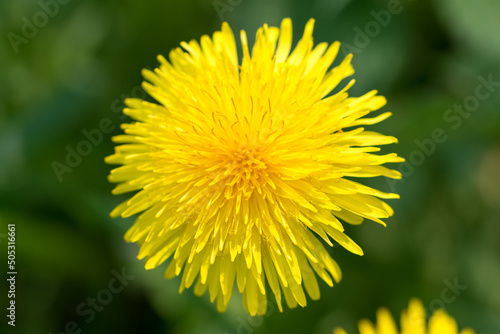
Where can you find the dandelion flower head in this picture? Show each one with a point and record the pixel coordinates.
(242, 171)
(413, 321)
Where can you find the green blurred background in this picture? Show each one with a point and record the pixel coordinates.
(75, 69)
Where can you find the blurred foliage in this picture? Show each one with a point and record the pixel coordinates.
(87, 58)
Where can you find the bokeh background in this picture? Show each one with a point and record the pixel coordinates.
(72, 71)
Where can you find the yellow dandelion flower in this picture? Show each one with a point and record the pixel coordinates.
(413, 321)
(241, 167)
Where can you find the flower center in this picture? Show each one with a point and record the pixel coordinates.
(246, 161)
(243, 170)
